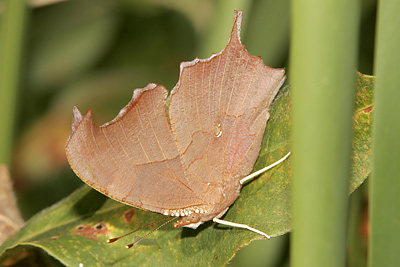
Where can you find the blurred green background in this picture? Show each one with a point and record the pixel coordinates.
(93, 53)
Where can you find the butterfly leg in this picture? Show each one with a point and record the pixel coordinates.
(244, 226)
(242, 181)
(254, 174)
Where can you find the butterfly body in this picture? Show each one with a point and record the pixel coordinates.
(226, 197)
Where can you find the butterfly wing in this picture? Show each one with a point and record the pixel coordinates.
(218, 113)
(134, 158)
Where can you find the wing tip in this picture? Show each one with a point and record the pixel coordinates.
(76, 118)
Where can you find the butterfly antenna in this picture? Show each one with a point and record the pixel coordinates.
(112, 240)
(143, 237)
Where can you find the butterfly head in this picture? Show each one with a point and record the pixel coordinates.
(191, 221)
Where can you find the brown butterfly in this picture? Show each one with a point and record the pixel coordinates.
(191, 161)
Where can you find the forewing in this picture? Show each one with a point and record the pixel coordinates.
(134, 158)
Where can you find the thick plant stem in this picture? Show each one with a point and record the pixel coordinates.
(12, 26)
(323, 63)
(384, 244)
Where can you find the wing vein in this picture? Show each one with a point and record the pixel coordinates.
(235, 122)
(113, 158)
(98, 158)
(162, 151)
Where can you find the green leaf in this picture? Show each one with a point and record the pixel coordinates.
(75, 230)
(362, 156)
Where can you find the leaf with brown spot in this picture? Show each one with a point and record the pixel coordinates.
(362, 120)
(91, 231)
(264, 204)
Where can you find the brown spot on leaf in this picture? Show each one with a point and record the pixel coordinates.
(368, 109)
(129, 215)
(91, 231)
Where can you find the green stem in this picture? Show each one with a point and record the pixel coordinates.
(323, 63)
(384, 241)
(11, 41)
